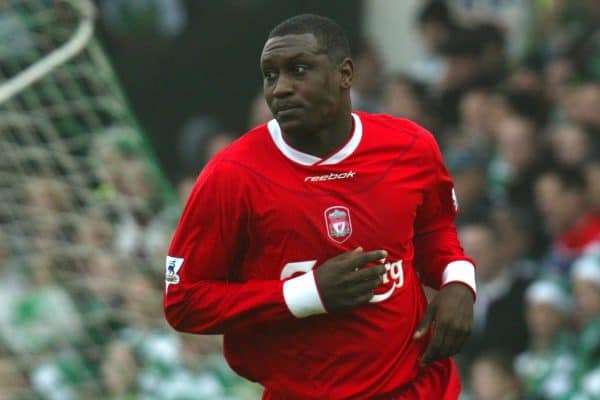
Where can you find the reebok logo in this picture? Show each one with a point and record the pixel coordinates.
(330, 177)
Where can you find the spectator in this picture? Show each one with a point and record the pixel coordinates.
(581, 105)
(592, 170)
(201, 138)
(154, 18)
(529, 105)
(497, 326)
(546, 367)
(462, 54)
(47, 199)
(366, 85)
(516, 164)
(141, 302)
(477, 110)
(525, 78)
(29, 322)
(12, 379)
(119, 371)
(435, 25)
(585, 278)
(130, 191)
(558, 74)
(468, 172)
(259, 111)
(569, 29)
(93, 231)
(517, 240)
(493, 60)
(404, 98)
(64, 376)
(511, 17)
(561, 201)
(571, 145)
(493, 378)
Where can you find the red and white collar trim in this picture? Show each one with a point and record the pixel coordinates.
(308, 159)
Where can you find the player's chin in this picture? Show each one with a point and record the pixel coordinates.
(291, 124)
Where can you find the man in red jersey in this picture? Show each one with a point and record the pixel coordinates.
(307, 241)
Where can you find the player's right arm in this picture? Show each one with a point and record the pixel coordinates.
(210, 242)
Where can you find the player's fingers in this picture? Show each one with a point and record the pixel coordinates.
(460, 343)
(448, 342)
(434, 348)
(373, 273)
(360, 259)
(457, 327)
(365, 286)
(461, 332)
(364, 298)
(426, 322)
(429, 350)
(346, 261)
(363, 292)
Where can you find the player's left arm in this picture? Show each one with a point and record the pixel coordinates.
(442, 264)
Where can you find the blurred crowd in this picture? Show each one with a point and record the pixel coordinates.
(520, 134)
(516, 110)
(85, 320)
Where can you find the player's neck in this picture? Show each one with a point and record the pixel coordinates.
(326, 140)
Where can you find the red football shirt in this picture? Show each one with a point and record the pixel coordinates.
(263, 215)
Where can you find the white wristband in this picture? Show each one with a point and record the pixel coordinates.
(460, 271)
(302, 296)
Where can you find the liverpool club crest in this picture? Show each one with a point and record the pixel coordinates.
(337, 220)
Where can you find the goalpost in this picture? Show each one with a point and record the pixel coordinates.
(79, 190)
(59, 99)
(85, 217)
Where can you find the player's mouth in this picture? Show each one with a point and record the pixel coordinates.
(287, 110)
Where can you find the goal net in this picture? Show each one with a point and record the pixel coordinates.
(85, 218)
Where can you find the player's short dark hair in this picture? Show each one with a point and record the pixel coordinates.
(330, 35)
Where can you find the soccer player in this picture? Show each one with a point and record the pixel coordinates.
(307, 241)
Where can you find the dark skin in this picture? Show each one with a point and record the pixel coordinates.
(298, 73)
(309, 95)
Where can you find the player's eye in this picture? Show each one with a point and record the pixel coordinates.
(269, 75)
(299, 69)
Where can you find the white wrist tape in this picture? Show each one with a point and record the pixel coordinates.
(302, 296)
(460, 271)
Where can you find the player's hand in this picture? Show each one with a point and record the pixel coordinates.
(450, 314)
(344, 284)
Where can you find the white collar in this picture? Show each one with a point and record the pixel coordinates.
(308, 159)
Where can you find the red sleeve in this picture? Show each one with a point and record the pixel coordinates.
(436, 241)
(201, 295)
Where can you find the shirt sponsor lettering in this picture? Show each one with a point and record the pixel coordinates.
(330, 177)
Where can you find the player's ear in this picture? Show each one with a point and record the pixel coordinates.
(346, 69)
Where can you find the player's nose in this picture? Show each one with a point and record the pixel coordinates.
(283, 87)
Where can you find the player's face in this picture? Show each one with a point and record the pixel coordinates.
(302, 86)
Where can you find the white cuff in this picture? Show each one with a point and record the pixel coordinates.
(460, 271)
(302, 296)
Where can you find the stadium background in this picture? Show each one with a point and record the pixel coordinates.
(94, 170)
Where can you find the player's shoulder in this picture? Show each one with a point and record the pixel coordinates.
(396, 129)
(244, 152)
(247, 147)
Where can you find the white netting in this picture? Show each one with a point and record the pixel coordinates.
(85, 218)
